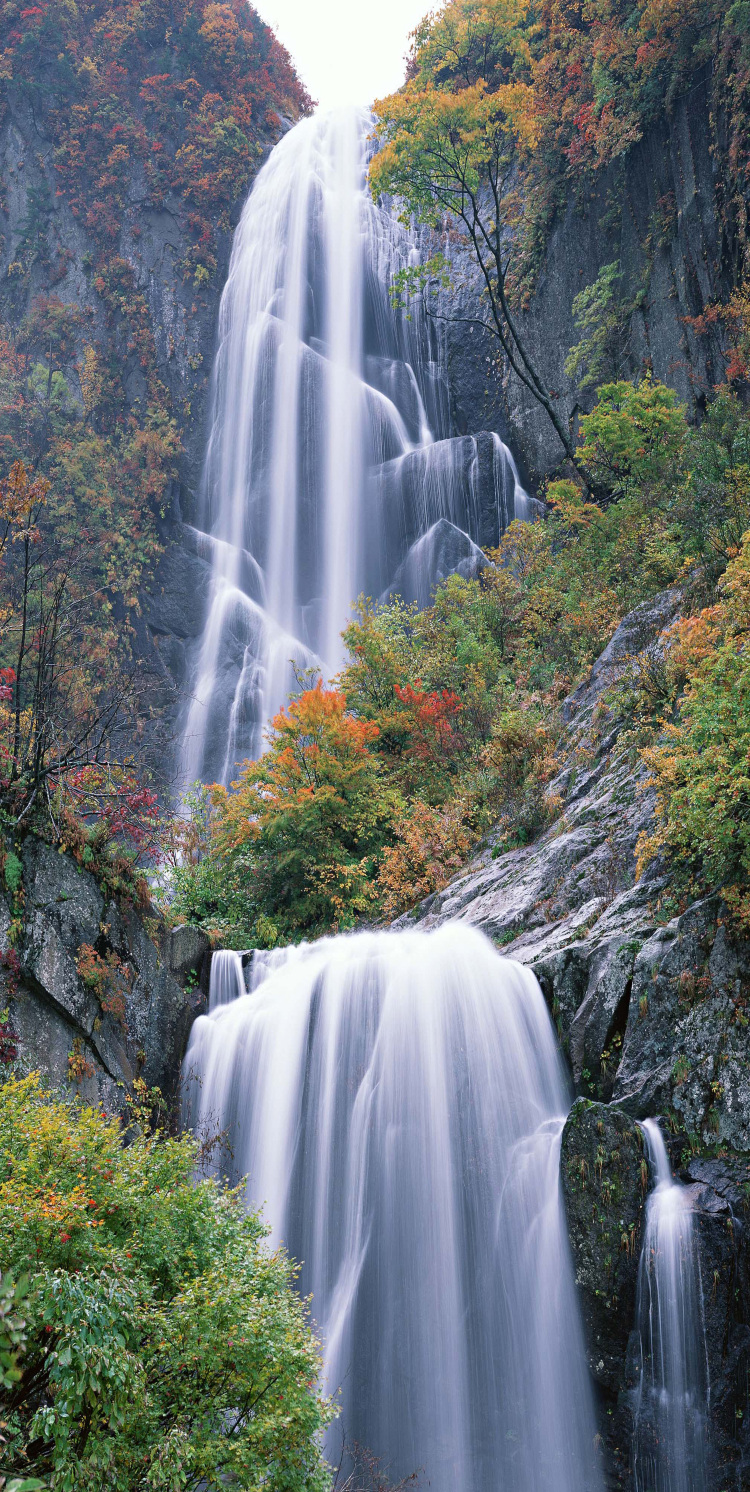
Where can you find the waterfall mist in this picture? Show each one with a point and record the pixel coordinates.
(329, 468)
(396, 1101)
(671, 1408)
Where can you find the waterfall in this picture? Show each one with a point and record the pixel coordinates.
(396, 1101)
(329, 468)
(227, 978)
(670, 1436)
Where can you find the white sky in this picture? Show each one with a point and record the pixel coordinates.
(345, 51)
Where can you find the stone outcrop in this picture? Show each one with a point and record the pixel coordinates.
(604, 1181)
(98, 1036)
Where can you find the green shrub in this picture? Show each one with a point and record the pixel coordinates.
(165, 1347)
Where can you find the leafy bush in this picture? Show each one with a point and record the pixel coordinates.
(431, 846)
(163, 1345)
(700, 766)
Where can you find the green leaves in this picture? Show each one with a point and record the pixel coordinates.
(165, 1347)
(634, 437)
(12, 1329)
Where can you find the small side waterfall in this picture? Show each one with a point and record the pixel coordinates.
(397, 1101)
(329, 469)
(670, 1438)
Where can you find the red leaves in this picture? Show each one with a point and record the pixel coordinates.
(433, 720)
(126, 811)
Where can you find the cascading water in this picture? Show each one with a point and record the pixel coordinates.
(671, 1409)
(328, 469)
(227, 978)
(396, 1101)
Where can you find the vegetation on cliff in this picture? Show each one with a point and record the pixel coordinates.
(510, 109)
(185, 92)
(157, 107)
(152, 1316)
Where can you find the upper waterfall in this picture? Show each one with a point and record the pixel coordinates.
(330, 467)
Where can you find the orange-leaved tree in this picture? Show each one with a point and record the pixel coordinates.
(301, 834)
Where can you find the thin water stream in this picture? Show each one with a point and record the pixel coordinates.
(670, 1445)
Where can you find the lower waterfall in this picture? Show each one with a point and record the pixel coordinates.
(671, 1412)
(396, 1101)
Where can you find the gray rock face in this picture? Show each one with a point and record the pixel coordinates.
(605, 1186)
(136, 1024)
(720, 1189)
(604, 1183)
(155, 243)
(665, 233)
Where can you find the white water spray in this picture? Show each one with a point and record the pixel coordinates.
(671, 1411)
(328, 469)
(396, 1101)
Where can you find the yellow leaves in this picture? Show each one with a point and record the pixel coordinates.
(517, 101)
(90, 377)
(21, 494)
(567, 500)
(691, 641)
(735, 588)
(469, 101)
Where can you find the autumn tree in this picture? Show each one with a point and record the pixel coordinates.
(302, 830)
(71, 693)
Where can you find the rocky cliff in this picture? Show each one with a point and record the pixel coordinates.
(651, 998)
(128, 145)
(97, 992)
(655, 213)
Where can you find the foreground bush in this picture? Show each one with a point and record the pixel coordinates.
(164, 1345)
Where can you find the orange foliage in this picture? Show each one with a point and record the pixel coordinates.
(431, 846)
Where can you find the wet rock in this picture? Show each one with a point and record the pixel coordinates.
(668, 178)
(686, 1041)
(136, 1022)
(720, 1188)
(604, 1186)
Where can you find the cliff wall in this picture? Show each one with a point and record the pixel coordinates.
(128, 145)
(96, 991)
(655, 212)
